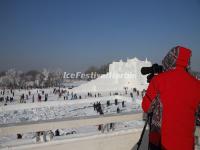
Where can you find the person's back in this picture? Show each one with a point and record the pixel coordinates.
(179, 94)
(179, 97)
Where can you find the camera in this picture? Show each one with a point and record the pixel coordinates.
(154, 69)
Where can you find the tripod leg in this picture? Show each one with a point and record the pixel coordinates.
(142, 134)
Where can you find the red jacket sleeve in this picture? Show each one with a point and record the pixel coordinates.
(199, 92)
(150, 95)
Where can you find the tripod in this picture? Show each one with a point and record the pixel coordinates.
(149, 119)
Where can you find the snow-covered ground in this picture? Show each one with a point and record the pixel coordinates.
(56, 108)
(63, 109)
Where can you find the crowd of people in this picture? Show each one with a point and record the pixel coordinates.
(5, 98)
(42, 95)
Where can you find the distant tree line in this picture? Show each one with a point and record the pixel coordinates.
(100, 70)
(38, 79)
(13, 78)
(17, 79)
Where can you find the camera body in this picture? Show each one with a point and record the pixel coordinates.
(154, 69)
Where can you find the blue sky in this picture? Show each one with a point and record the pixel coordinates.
(75, 34)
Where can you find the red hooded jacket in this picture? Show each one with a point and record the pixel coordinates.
(180, 95)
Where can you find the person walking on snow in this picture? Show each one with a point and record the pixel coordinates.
(179, 95)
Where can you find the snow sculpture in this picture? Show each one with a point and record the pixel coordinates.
(121, 74)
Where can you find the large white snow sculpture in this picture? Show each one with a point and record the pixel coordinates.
(121, 74)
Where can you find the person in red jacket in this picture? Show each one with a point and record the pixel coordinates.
(179, 94)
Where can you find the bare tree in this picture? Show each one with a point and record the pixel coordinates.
(58, 77)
